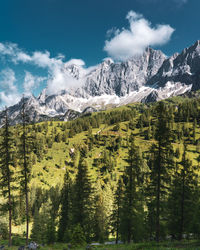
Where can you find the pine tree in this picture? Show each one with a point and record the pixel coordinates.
(83, 207)
(115, 218)
(78, 236)
(131, 200)
(25, 148)
(51, 230)
(41, 225)
(7, 179)
(54, 203)
(194, 130)
(182, 198)
(66, 209)
(160, 164)
(100, 220)
(38, 224)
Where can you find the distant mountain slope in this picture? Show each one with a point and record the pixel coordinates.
(145, 78)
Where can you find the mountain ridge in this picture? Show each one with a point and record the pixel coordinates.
(144, 78)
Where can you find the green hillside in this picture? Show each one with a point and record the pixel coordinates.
(104, 139)
(103, 133)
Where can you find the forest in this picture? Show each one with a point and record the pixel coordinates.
(128, 175)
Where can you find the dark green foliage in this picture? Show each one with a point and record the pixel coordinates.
(3, 231)
(6, 163)
(83, 200)
(116, 127)
(115, 218)
(182, 198)
(78, 236)
(66, 209)
(161, 164)
(132, 208)
(37, 233)
(24, 155)
(44, 219)
(81, 213)
(58, 137)
(194, 130)
(51, 230)
(100, 220)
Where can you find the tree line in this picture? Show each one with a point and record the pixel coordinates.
(156, 195)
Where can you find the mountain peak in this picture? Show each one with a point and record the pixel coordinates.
(108, 60)
(42, 96)
(197, 44)
(153, 51)
(194, 48)
(146, 77)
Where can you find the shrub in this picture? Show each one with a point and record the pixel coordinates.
(3, 231)
(78, 236)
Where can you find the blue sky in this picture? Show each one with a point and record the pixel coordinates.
(60, 30)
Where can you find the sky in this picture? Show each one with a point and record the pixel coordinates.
(39, 37)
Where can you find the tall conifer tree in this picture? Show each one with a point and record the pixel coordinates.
(160, 164)
(182, 198)
(66, 209)
(6, 152)
(83, 207)
(115, 218)
(24, 152)
(131, 208)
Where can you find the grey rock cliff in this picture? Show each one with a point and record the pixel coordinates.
(143, 78)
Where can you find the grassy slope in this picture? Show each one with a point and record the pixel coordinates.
(50, 170)
(56, 157)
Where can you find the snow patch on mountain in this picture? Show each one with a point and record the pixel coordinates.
(143, 78)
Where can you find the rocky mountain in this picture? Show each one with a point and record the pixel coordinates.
(180, 72)
(123, 78)
(143, 78)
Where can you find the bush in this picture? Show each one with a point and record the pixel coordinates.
(16, 241)
(3, 231)
(78, 236)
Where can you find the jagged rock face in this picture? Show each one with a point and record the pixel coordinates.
(75, 71)
(180, 68)
(122, 78)
(145, 78)
(152, 97)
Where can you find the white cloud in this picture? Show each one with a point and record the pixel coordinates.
(58, 78)
(43, 60)
(7, 80)
(60, 81)
(9, 94)
(78, 62)
(132, 15)
(112, 32)
(21, 56)
(133, 41)
(31, 82)
(8, 48)
(9, 99)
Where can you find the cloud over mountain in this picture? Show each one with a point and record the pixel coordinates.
(133, 41)
(31, 82)
(56, 80)
(9, 93)
(64, 74)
